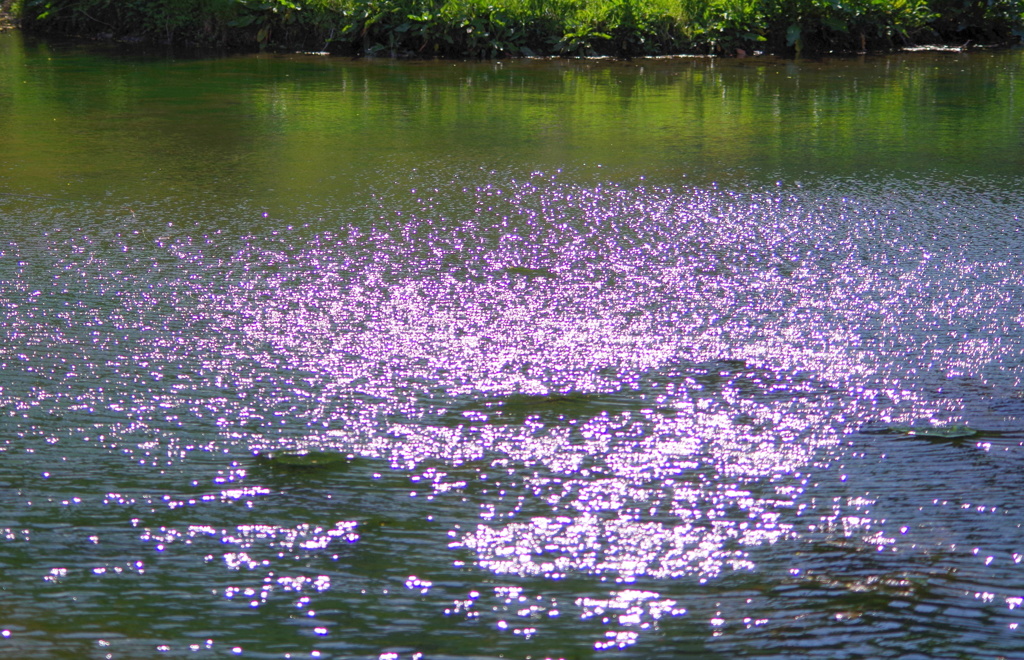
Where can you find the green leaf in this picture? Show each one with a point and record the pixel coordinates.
(792, 34)
(952, 432)
(243, 21)
(955, 432)
(303, 459)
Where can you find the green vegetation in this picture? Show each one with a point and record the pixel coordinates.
(503, 28)
(954, 432)
(304, 460)
(7, 9)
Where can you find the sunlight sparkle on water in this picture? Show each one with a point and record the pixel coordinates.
(641, 389)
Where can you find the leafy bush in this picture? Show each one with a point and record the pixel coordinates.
(503, 28)
(978, 20)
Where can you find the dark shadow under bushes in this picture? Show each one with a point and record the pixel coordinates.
(510, 28)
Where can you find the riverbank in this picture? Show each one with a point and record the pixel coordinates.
(6, 19)
(510, 28)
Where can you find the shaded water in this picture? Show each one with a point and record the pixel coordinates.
(613, 352)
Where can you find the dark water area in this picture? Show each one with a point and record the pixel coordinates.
(619, 358)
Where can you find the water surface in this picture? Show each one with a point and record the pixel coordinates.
(616, 355)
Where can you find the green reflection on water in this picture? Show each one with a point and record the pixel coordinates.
(284, 130)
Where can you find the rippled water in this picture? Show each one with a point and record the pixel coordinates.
(611, 377)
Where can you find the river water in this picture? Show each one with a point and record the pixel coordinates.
(619, 357)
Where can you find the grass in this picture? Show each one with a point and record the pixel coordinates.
(510, 28)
